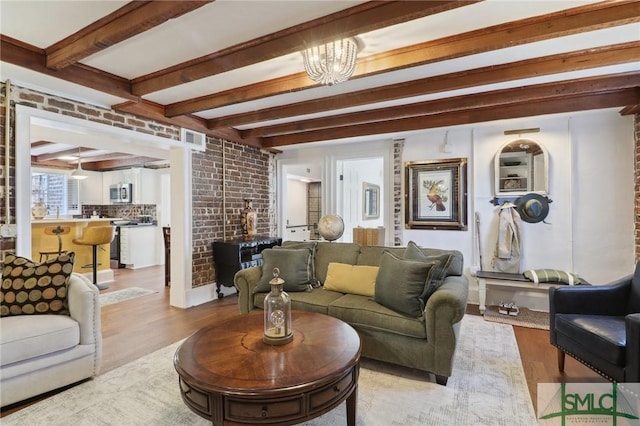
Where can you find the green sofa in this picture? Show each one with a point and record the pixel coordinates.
(426, 344)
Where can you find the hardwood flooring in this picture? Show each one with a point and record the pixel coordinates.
(136, 327)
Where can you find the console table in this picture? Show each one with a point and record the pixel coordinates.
(232, 255)
(502, 279)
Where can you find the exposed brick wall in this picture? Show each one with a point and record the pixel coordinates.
(249, 174)
(637, 185)
(398, 220)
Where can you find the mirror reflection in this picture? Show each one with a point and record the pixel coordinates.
(371, 201)
(522, 166)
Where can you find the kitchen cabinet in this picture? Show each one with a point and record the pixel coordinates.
(145, 184)
(298, 233)
(90, 189)
(137, 246)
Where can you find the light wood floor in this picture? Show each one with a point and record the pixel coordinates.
(134, 328)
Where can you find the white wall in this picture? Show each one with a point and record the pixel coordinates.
(590, 226)
(297, 205)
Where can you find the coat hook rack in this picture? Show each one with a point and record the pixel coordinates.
(498, 201)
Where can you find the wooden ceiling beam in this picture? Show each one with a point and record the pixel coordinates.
(155, 111)
(118, 163)
(565, 62)
(514, 110)
(126, 22)
(347, 23)
(535, 93)
(54, 155)
(27, 56)
(572, 21)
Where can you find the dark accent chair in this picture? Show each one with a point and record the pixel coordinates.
(599, 326)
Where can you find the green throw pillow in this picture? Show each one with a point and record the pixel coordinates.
(400, 283)
(30, 288)
(311, 245)
(294, 265)
(440, 270)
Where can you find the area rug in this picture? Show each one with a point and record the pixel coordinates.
(526, 318)
(487, 387)
(125, 294)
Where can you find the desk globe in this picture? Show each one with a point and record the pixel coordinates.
(331, 227)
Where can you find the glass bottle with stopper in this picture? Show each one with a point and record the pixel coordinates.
(277, 313)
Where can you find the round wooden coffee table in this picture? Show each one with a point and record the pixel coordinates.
(228, 375)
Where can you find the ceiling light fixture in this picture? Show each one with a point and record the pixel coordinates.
(331, 63)
(79, 173)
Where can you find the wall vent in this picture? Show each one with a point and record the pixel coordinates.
(194, 140)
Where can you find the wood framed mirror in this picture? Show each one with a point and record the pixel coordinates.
(521, 167)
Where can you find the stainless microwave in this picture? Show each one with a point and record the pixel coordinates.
(120, 193)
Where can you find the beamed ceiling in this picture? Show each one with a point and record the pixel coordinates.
(233, 69)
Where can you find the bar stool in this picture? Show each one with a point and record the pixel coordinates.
(55, 230)
(96, 236)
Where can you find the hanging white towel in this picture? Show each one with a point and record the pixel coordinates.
(508, 247)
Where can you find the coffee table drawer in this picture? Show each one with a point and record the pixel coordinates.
(197, 400)
(264, 411)
(331, 393)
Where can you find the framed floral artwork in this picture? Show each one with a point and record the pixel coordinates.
(436, 194)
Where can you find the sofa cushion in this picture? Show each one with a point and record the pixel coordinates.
(311, 245)
(294, 266)
(334, 252)
(35, 288)
(316, 300)
(400, 283)
(353, 279)
(28, 336)
(440, 269)
(362, 312)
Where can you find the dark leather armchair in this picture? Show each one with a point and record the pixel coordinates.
(599, 326)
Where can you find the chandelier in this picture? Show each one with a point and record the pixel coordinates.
(331, 63)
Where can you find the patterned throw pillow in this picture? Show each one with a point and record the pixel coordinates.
(35, 288)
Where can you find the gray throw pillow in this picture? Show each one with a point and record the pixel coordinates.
(440, 270)
(294, 265)
(400, 283)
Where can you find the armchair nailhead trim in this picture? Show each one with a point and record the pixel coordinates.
(577, 358)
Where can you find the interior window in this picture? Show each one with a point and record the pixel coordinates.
(56, 191)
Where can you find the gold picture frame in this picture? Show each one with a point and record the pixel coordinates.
(436, 194)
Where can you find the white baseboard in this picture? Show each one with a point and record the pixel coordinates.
(207, 293)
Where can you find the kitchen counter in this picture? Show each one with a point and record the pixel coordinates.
(53, 221)
(84, 254)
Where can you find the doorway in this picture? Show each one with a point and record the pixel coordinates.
(354, 177)
(30, 121)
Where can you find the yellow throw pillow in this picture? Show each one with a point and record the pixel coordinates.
(352, 279)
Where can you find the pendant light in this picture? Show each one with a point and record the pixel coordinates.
(78, 173)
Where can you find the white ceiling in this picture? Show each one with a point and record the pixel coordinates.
(223, 24)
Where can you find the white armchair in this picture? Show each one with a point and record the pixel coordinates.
(40, 353)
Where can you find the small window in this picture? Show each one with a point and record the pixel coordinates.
(57, 191)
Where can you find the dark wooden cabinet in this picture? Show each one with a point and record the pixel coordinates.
(232, 255)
